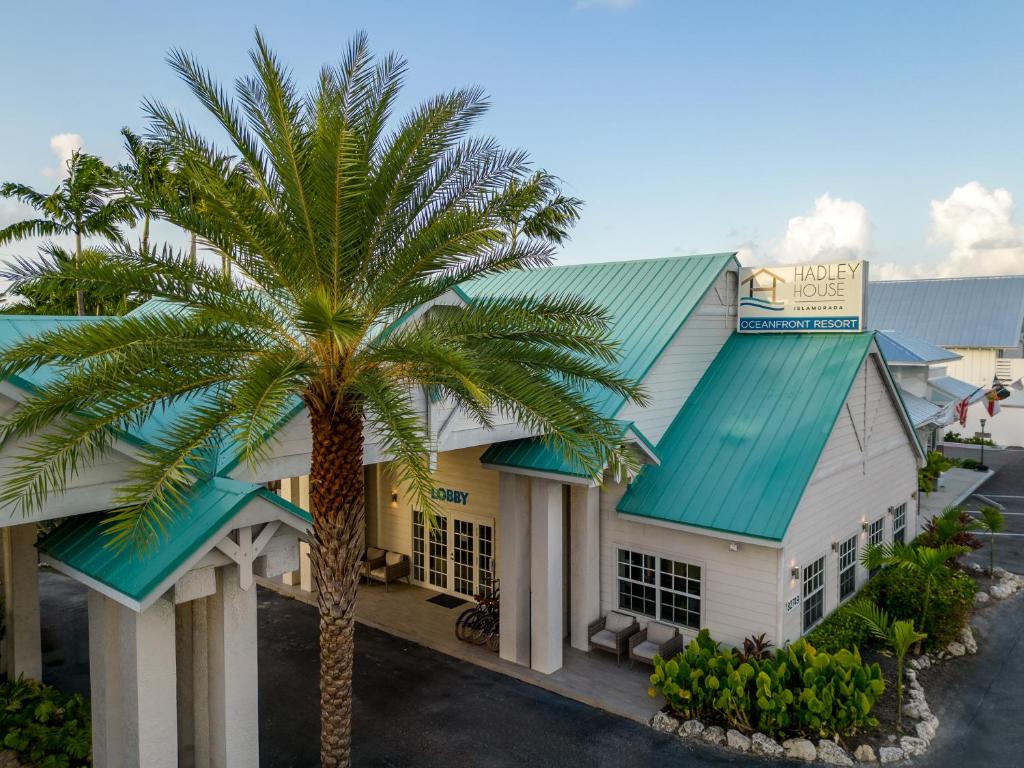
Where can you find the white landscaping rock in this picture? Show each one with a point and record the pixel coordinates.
(956, 649)
(967, 638)
(737, 740)
(714, 734)
(925, 730)
(692, 728)
(831, 753)
(890, 754)
(865, 754)
(664, 722)
(980, 598)
(923, 662)
(916, 710)
(763, 745)
(1000, 573)
(913, 746)
(1000, 591)
(800, 749)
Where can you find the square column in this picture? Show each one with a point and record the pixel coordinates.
(22, 652)
(546, 613)
(514, 566)
(133, 682)
(233, 682)
(584, 563)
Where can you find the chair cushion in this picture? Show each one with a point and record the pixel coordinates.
(646, 650)
(604, 639)
(372, 553)
(616, 622)
(659, 633)
(394, 558)
(379, 573)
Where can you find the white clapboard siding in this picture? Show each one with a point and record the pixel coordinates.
(684, 361)
(975, 366)
(739, 588)
(868, 465)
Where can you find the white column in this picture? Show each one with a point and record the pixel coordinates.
(546, 613)
(233, 687)
(22, 652)
(133, 681)
(584, 562)
(193, 684)
(290, 491)
(514, 566)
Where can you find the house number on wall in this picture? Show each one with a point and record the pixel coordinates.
(449, 495)
(793, 603)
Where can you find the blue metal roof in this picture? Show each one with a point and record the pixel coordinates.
(986, 312)
(954, 389)
(743, 447)
(900, 348)
(648, 300)
(82, 543)
(919, 410)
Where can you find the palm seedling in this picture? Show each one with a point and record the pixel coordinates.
(899, 636)
(992, 521)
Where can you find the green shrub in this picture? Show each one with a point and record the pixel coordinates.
(44, 726)
(970, 463)
(956, 437)
(840, 629)
(796, 690)
(898, 591)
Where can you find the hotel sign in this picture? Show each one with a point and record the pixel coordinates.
(804, 298)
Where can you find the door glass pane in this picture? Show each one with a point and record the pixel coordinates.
(486, 559)
(462, 556)
(439, 553)
(418, 547)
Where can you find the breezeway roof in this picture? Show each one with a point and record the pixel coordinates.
(985, 312)
(81, 545)
(740, 452)
(903, 349)
(919, 410)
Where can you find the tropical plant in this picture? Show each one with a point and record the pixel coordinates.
(993, 522)
(796, 690)
(343, 231)
(899, 592)
(936, 463)
(954, 526)
(85, 204)
(44, 726)
(535, 207)
(840, 629)
(48, 285)
(927, 563)
(900, 636)
(147, 178)
(755, 647)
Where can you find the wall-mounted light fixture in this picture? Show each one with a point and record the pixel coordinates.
(795, 572)
(864, 525)
(835, 546)
(394, 498)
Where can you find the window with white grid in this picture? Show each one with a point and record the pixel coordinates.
(847, 568)
(659, 587)
(876, 535)
(813, 593)
(899, 523)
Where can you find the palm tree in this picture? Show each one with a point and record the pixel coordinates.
(83, 205)
(991, 520)
(338, 224)
(146, 178)
(900, 636)
(535, 207)
(927, 563)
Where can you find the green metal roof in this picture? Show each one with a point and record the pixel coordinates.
(539, 455)
(648, 300)
(82, 543)
(741, 450)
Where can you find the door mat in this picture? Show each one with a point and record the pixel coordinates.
(446, 601)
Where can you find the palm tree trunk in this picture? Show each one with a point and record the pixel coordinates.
(192, 249)
(79, 293)
(337, 496)
(145, 233)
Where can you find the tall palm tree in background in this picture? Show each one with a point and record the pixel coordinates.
(147, 178)
(338, 222)
(85, 204)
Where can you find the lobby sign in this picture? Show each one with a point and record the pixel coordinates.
(803, 298)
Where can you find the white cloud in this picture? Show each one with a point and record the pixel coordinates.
(63, 145)
(608, 5)
(836, 229)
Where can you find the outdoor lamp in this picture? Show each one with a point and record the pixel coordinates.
(864, 525)
(394, 498)
(794, 572)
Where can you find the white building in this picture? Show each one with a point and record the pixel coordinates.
(979, 318)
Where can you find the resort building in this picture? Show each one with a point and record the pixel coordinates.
(981, 319)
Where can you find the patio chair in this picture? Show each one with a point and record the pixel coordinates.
(656, 639)
(612, 633)
(395, 566)
(372, 558)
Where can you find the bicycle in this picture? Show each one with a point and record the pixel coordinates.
(479, 624)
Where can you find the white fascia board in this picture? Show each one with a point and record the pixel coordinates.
(92, 583)
(697, 531)
(568, 479)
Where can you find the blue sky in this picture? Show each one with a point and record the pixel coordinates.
(792, 131)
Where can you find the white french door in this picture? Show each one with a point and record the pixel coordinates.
(456, 555)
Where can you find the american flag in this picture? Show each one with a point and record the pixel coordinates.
(961, 411)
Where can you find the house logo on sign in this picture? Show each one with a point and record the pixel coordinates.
(759, 284)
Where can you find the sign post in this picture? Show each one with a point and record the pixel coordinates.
(803, 298)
